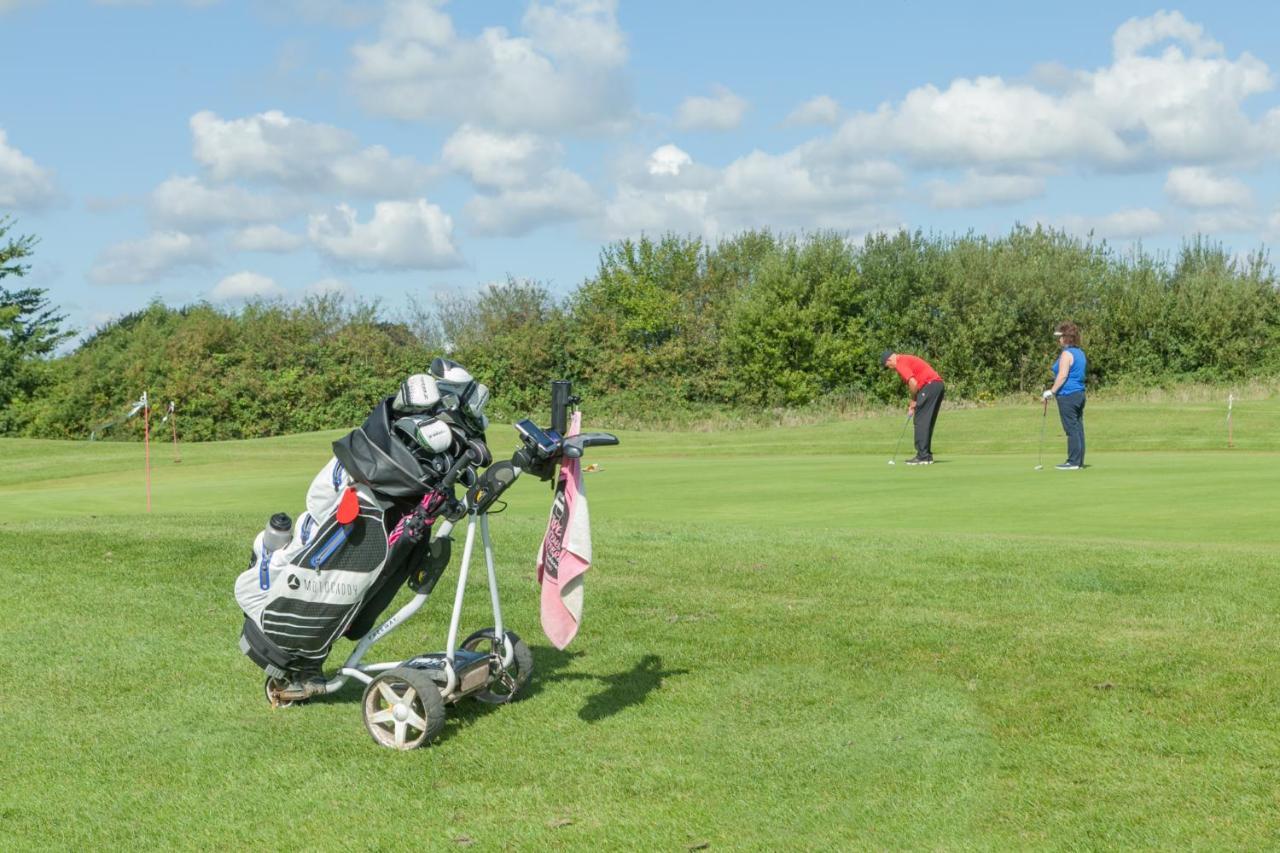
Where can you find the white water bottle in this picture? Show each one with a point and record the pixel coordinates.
(277, 535)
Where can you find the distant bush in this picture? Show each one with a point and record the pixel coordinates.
(678, 327)
(270, 369)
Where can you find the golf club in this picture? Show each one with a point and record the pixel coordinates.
(1043, 419)
(898, 446)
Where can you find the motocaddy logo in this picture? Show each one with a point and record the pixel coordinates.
(321, 587)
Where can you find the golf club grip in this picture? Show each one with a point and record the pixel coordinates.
(464, 459)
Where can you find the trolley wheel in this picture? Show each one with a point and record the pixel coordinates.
(272, 688)
(403, 709)
(505, 684)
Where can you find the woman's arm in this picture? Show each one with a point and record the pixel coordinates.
(1064, 367)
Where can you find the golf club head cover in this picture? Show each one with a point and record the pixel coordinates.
(449, 371)
(418, 393)
(479, 451)
(427, 432)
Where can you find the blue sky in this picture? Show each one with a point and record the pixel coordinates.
(221, 150)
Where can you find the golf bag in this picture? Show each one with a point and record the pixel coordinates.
(365, 532)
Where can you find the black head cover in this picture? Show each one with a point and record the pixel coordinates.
(375, 455)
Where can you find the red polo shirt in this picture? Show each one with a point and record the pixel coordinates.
(913, 367)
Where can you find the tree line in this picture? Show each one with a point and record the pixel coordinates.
(673, 327)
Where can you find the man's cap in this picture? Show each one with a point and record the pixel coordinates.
(884, 357)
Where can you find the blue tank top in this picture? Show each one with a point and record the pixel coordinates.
(1075, 373)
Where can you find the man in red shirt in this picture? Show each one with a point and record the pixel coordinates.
(926, 389)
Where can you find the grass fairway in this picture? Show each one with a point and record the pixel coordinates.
(788, 645)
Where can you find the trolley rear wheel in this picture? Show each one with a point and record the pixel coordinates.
(506, 683)
(403, 709)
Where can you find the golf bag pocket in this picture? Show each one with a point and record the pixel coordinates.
(317, 583)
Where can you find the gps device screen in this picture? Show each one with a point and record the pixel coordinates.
(547, 443)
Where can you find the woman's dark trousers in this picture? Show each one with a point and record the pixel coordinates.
(1071, 410)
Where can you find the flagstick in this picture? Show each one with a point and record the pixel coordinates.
(1230, 399)
(177, 455)
(146, 442)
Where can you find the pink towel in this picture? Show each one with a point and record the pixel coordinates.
(565, 554)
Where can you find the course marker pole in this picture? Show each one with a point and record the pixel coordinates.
(1231, 398)
(146, 442)
(173, 416)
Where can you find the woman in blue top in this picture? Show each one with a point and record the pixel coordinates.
(1068, 387)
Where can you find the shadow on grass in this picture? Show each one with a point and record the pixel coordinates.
(620, 690)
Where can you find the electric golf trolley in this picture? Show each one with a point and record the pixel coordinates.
(404, 701)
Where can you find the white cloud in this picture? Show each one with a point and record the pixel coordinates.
(246, 285)
(634, 210)
(266, 238)
(801, 188)
(1193, 186)
(723, 110)
(303, 155)
(188, 204)
(495, 160)
(10, 5)
(1226, 222)
(1121, 225)
(976, 189)
(1137, 34)
(1184, 104)
(152, 257)
(23, 183)
(523, 187)
(558, 196)
(328, 287)
(1273, 227)
(980, 122)
(578, 31)
(1180, 107)
(668, 160)
(564, 74)
(822, 109)
(401, 235)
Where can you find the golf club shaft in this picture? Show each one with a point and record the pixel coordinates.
(1044, 418)
(901, 433)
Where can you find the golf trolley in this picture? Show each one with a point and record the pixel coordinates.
(403, 704)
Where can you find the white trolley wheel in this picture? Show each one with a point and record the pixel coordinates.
(504, 684)
(272, 687)
(403, 709)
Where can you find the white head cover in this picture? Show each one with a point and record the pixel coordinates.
(450, 371)
(418, 393)
(426, 431)
(434, 434)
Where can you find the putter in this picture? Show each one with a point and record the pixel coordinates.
(898, 446)
(1043, 419)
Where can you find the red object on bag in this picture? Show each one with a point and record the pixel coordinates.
(348, 507)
